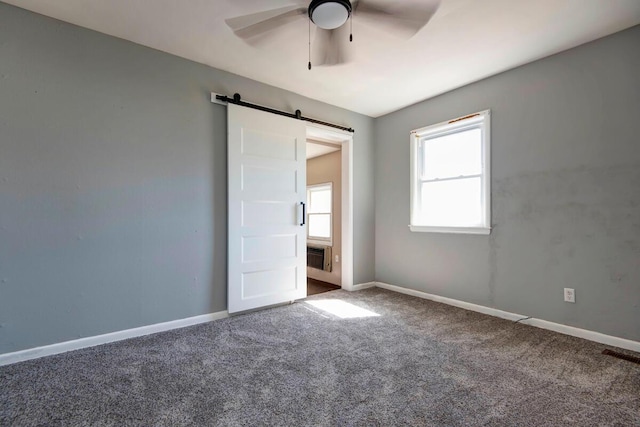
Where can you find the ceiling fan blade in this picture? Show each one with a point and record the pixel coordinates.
(403, 20)
(249, 26)
(332, 47)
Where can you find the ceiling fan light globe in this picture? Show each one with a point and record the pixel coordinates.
(329, 14)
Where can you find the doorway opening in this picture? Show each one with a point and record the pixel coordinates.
(329, 210)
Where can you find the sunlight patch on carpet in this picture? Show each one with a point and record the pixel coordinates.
(342, 309)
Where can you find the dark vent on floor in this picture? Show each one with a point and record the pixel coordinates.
(632, 359)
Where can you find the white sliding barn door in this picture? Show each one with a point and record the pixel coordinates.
(267, 184)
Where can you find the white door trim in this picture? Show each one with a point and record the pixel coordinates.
(345, 140)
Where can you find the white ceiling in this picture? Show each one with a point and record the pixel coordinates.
(319, 149)
(465, 41)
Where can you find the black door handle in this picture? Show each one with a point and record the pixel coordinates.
(304, 214)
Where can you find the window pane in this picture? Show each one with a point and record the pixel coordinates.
(453, 155)
(320, 225)
(455, 203)
(320, 200)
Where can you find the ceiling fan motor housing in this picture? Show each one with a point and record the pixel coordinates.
(329, 14)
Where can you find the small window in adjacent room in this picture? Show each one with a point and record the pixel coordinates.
(450, 176)
(319, 211)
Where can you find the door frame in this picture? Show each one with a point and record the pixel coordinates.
(345, 140)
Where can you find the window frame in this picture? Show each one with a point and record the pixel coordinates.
(481, 120)
(317, 239)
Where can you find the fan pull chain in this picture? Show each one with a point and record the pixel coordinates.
(351, 27)
(309, 43)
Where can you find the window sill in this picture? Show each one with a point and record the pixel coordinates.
(320, 242)
(452, 230)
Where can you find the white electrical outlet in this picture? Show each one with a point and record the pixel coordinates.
(569, 295)
(337, 258)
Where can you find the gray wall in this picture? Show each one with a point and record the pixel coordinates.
(566, 192)
(113, 182)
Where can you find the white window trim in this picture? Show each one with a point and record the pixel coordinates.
(444, 128)
(319, 240)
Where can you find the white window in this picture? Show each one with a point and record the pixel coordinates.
(319, 212)
(450, 176)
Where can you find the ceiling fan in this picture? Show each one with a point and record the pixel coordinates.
(333, 21)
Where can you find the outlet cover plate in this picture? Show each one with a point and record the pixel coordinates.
(569, 295)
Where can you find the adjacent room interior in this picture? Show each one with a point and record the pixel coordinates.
(321, 212)
(324, 212)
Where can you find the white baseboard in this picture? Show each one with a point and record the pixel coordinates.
(361, 286)
(63, 347)
(585, 333)
(538, 323)
(454, 302)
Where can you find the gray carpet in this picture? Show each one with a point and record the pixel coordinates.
(417, 363)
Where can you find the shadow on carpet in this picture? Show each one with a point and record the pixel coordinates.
(366, 358)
